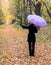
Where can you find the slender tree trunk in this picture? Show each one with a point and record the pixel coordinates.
(21, 15)
(30, 4)
(0, 16)
(49, 13)
(38, 9)
(25, 10)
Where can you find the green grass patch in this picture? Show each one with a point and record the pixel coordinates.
(2, 26)
(44, 34)
(48, 24)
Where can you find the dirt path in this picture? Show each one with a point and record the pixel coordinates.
(14, 49)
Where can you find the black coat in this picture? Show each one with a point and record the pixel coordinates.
(32, 30)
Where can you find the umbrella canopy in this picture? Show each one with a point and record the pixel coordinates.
(37, 20)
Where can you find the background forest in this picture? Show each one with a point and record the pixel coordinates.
(17, 10)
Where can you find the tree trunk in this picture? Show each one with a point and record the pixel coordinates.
(38, 9)
(30, 4)
(49, 13)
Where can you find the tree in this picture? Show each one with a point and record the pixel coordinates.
(30, 5)
(21, 8)
(49, 13)
(0, 14)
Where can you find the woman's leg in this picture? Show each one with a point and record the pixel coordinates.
(33, 48)
(30, 48)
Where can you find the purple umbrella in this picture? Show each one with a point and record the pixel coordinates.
(37, 20)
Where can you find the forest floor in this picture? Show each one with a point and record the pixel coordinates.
(14, 47)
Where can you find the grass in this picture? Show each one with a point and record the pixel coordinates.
(2, 26)
(44, 34)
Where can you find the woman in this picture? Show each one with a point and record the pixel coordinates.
(31, 37)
